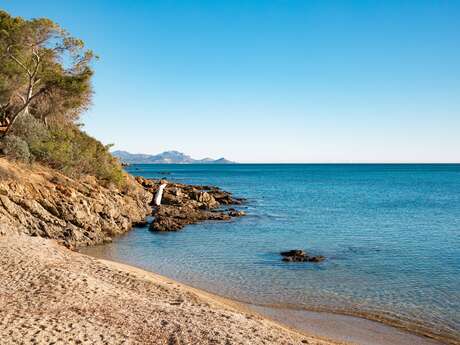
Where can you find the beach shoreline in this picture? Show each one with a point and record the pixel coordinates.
(358, 329)
(355, 329)
(332, 326)
(79, 275)
(50, 294)
(392, 318)
(210, 297)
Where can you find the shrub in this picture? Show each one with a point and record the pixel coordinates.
(29, 129)
(16, 148)
(65, 148)
(75, 153)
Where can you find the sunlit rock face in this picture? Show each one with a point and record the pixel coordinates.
(39, 201)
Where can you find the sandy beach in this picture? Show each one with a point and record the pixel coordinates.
(229, 172)
(52, 295)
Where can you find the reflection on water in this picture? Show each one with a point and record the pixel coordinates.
(391, 234)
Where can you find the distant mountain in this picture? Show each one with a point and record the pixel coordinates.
(168, 157)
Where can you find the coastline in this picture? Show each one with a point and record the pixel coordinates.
(77, 272)
(215, 299)
(322, 324)
(357, 329)
(383, 330)
(50, 294)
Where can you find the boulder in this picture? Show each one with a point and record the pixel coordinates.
(205, 198)
(298, 255)
(236, 213)
(293, 252)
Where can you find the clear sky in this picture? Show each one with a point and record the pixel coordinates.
(271, 81)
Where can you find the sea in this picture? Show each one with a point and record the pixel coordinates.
(390, 234)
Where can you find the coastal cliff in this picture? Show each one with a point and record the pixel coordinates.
(39, 201)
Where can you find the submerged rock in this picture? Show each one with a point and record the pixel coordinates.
(236, 213)
(298, 255)
(294, 252)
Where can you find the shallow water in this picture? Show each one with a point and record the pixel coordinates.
(391, 235)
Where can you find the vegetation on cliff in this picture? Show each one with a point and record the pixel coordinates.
(45, 85)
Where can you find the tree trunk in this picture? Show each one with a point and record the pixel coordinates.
(23, 109)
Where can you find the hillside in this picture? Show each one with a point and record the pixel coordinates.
(167, 157)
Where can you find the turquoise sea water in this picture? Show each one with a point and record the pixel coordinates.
(391, 235)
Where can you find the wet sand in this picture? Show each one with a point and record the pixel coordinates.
(345, 328)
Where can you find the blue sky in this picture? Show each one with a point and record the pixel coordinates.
(272, 81)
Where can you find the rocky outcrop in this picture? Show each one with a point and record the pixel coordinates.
(39, 201)
(184, 204)
(173, 218)
(298, 255)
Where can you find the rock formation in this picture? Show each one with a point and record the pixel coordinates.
(298, 255)
(39, 201)
(184, 204)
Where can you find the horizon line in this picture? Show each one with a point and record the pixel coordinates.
(357, 162)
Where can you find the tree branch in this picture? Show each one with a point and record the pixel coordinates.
(37, 63)
(21, 97)
(15, 59)
(17, 113)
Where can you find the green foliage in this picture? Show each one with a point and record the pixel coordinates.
(16, 148)
(45, 84)
(43, 71)
(75, 153)
(30, 129)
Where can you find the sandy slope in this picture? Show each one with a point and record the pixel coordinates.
(51, 295)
